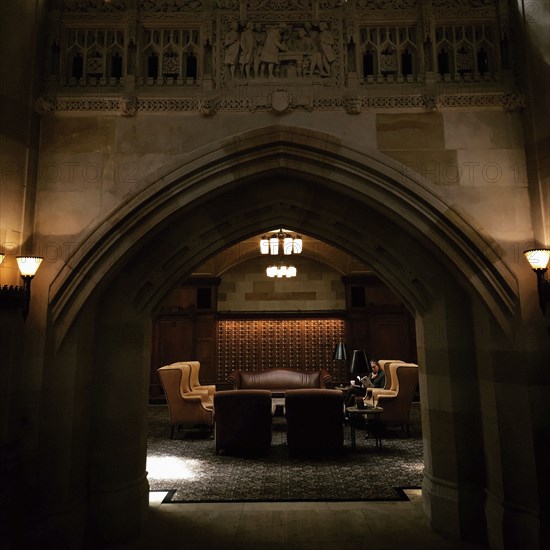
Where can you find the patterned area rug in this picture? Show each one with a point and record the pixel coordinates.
(190, 470)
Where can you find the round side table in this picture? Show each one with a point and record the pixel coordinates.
(374, 423)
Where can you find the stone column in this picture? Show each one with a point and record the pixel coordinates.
(453, 486)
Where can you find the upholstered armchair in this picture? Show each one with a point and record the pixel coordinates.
(187, 408)
(194, 381)
(396, 402)
(243, 421)
(384, 365)
(315, 420)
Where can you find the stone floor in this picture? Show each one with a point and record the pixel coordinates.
(290, 526)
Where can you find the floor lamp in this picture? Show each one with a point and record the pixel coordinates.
(340, 355)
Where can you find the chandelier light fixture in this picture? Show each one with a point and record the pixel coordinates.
(280, 270)
(281, 242)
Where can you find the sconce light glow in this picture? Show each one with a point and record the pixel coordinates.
(2, 256)
(28, 265)
(538, 258)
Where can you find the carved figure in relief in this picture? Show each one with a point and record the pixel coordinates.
(315, 57)
(44, 105)
(208, 106)
(128, 105)
(353, 105)
(259, 39)
(270, 52)
(248, 41)
(232, 46)
(327, 47)
(304, 44)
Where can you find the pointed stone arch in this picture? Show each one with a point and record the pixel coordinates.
(269, 157)
(353, 198)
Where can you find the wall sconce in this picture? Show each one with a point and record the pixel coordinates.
(20, 296)
(538, 259)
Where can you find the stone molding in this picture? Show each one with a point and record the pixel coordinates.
(280, 100)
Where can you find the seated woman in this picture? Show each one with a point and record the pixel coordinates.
(376, 379)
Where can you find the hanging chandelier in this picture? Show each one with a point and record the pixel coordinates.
(281, 242)
(281, 270)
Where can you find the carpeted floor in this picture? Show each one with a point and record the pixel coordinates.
(190, 470)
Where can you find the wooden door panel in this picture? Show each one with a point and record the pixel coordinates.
(172, 342)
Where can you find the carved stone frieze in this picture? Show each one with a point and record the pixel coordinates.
(387, 8)
(270, 50)
(168, 105)
(232, 5)
(279, 5)
(464, 8)
(394, 102)
(278, 100)
(507, 101)
(393, 5)
(171, 6)
(87, 104)
(94, 6)
(151, 48)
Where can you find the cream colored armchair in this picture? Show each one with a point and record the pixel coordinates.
(384, 365)
(194, 381)
(396, 401)
(187, 408)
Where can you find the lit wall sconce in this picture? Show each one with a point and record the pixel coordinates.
(538, 259)
(20, 296)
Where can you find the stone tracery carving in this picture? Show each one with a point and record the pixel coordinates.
(90, 6)
(280, 101)
(329, 50)
(164, 6)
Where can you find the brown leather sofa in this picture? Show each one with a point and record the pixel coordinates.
(243, 421)
(278, 381)
(315, 420)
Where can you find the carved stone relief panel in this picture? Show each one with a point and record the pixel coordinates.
(263, 48)
(281, 55)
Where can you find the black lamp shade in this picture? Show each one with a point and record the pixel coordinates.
(360, 365)
(340, 351)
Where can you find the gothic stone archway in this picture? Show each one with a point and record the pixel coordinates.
(465, 304)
